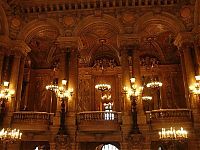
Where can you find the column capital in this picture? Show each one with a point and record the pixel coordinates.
(21, 46)
(184, 39)
(5, 41)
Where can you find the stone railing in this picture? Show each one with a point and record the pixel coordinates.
(32, 120)
(99, 116)
(27, 6)
(169, 114)
(93, 121)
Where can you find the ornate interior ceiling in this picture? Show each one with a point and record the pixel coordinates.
(43, 49)
(157, 40)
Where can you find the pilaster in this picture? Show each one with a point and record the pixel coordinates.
(14, 79)
(20, 82)
(1, 65)
(184, 42)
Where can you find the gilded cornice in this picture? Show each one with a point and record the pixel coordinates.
(40, 6)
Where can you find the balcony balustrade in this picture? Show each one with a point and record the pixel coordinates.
(34, 121)
(99, 121)
(169, 115)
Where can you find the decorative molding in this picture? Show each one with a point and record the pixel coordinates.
(64, 42)
(21, 46)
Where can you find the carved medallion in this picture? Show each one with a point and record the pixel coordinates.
(15, 22)
(68, 21)
(185, 12)
(128, 18)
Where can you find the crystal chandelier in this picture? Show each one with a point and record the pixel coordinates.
(10, 135)
(154, 84)
(195, 88)
(146, 98)
(53, 86)
(103, 87)
(173, 134)
(150, 63)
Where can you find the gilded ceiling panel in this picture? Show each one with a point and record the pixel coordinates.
(158, 40)
(92, 35)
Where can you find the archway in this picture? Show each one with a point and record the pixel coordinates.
(109, 147)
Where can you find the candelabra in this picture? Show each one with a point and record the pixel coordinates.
(10, 136)
(173, 134)
(173, 137)
(133, 93)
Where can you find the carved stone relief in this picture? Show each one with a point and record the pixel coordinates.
(40, 98)
(169, 101)
(84, 95)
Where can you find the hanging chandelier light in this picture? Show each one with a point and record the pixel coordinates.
(154, 84)
(150, 63)
(146, 98)
(10, 135)
(53, 86)
(102, 65)
(103, 87)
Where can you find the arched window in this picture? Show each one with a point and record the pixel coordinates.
(109, 147)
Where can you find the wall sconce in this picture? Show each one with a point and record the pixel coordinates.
(64, 93)
(5, 92)
(195, 88)
(133, 93)
(134, 90)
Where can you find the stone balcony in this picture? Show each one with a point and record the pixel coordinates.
(99, 121)
(169, 117)
(32, 121)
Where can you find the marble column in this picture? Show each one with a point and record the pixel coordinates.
(73, 77)
(184, 43)
(1, 65)
(26, 90)
(197, 56)
(6, 69)
(188, 64)
(14, 78)
(125, 76)
(20, 82)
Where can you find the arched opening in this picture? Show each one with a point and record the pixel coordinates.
(109, 147)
